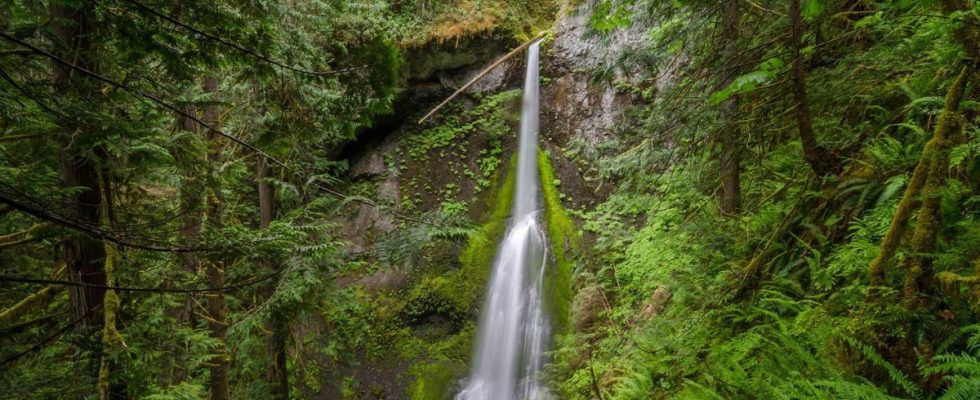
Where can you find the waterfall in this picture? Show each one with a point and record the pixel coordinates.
(513, 328)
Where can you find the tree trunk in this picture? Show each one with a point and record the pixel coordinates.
(192, 194)
(191, 199)
(730, 154)
(112, 340)
(216, 307)
(278, 376)
(278, 324)
(73, 29)
(822, 161)
(217, 323)
(928, 222)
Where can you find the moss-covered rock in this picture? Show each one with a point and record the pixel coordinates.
(564, 245)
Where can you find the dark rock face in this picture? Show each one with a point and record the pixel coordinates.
(442, 62)
(581, 106)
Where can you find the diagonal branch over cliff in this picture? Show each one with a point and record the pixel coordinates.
(482, 74)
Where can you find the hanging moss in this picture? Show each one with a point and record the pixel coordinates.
(111, 339)
(563, 242)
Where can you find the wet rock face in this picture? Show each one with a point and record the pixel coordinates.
(576, 47)
(581, 107)
(580, 97)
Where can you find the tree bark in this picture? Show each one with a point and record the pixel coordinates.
(730, 152)
(216, 307)
(73, 29)
(821, 161)
(278, 376)
(191, 198)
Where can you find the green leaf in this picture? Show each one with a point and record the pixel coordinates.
(748, 82)
(812, 9)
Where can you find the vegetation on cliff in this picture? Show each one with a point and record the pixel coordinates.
(806, 187)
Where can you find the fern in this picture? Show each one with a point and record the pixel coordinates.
(897, 376)
(845, 390)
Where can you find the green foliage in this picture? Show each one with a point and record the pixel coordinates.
(680, 313)
(489, 117)
(609, 15)
(960, 371)
(766, 71)
(671, 299)
(417, 23)
(812, 9)
(171, 185)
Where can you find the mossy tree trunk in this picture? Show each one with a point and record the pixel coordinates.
(215, 306)
(111, 338)
(928, 174)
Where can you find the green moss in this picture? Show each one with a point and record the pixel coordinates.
(463, 289)
(449, 22)
(564, 242)
(434, 380)
(458, 292)
(435, 295)
(478, 255)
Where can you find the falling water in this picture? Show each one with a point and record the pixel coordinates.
(513, 327)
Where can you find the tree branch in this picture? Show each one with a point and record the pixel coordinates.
(139, 289)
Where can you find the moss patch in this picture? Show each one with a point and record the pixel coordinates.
(462, 290)
(455, 20)
(433, 380)
(482, 246)
(563, 242)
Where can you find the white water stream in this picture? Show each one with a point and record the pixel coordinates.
(513, 328)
